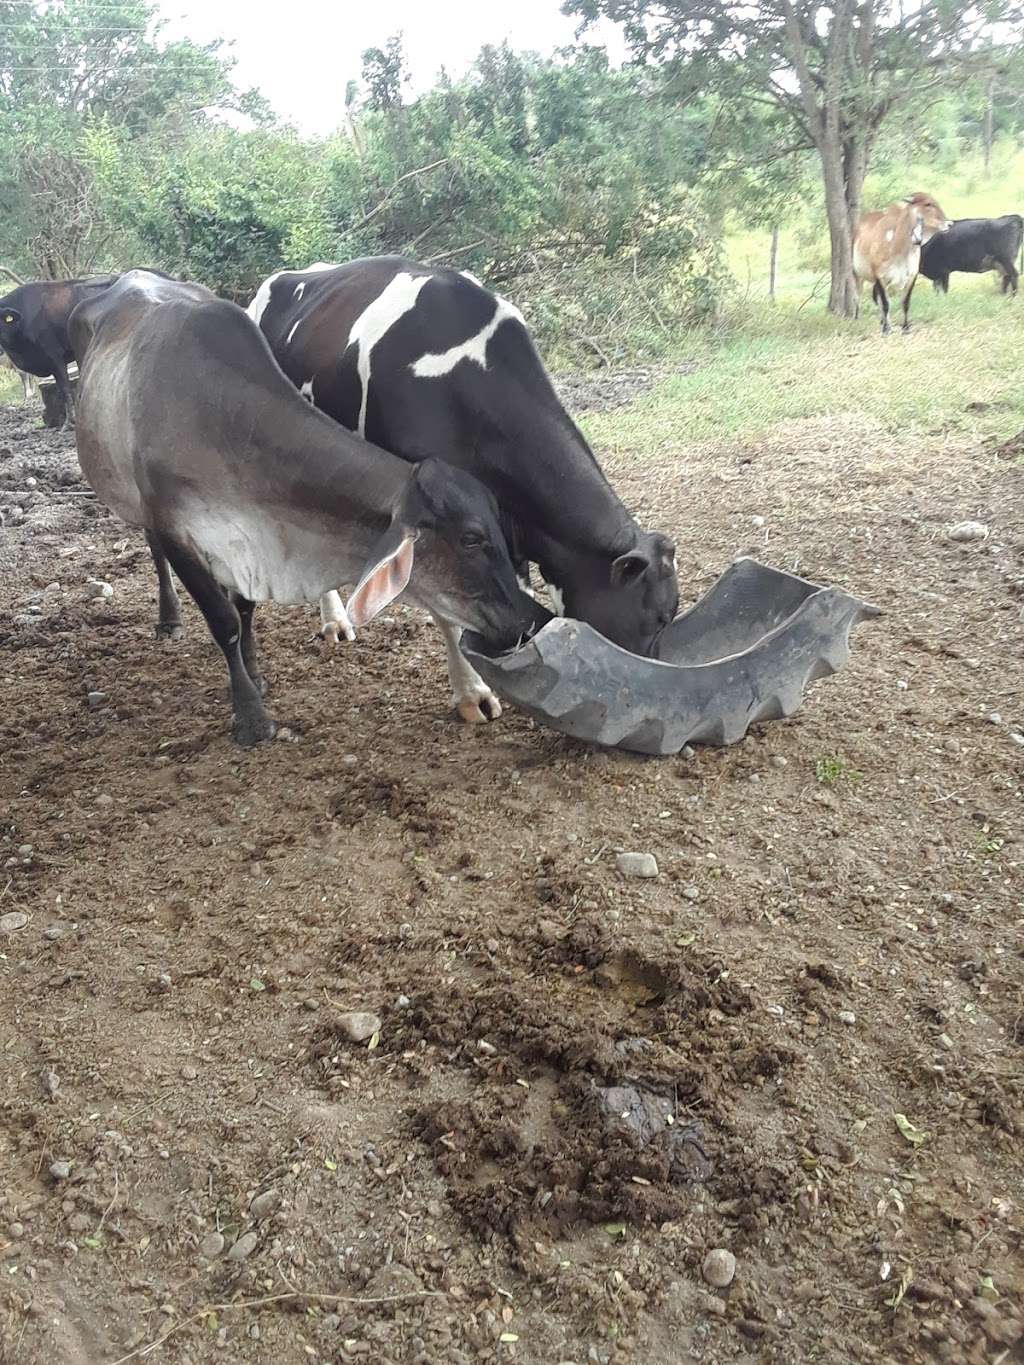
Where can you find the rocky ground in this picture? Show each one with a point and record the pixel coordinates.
(767, 1105)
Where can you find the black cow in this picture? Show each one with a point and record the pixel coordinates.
(34, 327)
(426, 362)
(975, 245)
(188, 429)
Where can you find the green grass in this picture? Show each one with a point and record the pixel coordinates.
(958, 373)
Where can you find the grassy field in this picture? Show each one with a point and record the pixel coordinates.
(958, 373)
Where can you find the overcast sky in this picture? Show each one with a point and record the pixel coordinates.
(301, 55)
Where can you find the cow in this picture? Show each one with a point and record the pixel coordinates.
(34, 328)
(6, 363)
(427, 362)
(975, 245)
(188, 429)
(887, 249)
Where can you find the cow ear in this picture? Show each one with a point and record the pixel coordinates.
(385, 577)
(10, 316)
(629, 567)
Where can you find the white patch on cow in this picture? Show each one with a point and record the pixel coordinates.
(288, 338)
(556, 599)
(300, 289)
(889, 235)
(258, 306)
(473, 699)
(307, 391)
(375, 321)
(434, 365)
(334, 619)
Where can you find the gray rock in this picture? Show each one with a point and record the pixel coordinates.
(96, 699)
(212, 1245)
(994, 718)
(358, 1026)
(14, 919)
(719, 1268)
(691, 893)
(637, 864)
(263, 1205)
(54, 932)
(847, 1017)
(60, 1170)
(17, 1230)
(966, 531)
(244, 1247)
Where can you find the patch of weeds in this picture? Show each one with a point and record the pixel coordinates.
(831, 769)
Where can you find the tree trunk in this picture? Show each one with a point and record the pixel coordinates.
(989, 101)
(773, 262)
(842, 297)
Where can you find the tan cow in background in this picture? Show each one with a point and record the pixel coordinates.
(887, 249)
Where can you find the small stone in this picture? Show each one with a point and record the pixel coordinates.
(17, 1230)
(994, 718)
(902, 685)
(775, 1010)
(60, 1170)
(31, 482)
(547, 932)
(692, 893)
(757, 521)
(212, 1245)
(403, 1002)
(715, 1305)
(104, 801)
(488, 1049)
(719, 1268)
(779, 760)
(847, 1017)
(358, 1026)
(349, 761)
(14, 919)
(164, 981)
(244, 1247)
(965, 531)
(95, 699)
(264, 1204)
(1016, 737)
(285, 734)
(688, 751)
(189, 1073)
(99, 590)
(493, 945)
(54, 932)
(24, 850)
(946, 1041)
(637, 864)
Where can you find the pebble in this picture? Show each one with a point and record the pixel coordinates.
(358, 1026)
(264, 1204)
(99, 589)
(994, 718)
(946, 1041)
(757, 521)
(779, 760)
(403, 1002)
(965, 531)
(349, 761)
(488, 1049)
(244, 1247)
(284, 734)
(60, 1170)
(104, 800)
(847, 1017)
(212, 1245)
(17, 1230)
(95, 699)
(688, 751)
(719, 1267)
(189, 1073)
(54, 932)
(692, 893)
(14, 919)
(637, 864)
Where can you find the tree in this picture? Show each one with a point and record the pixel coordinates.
(831, 74)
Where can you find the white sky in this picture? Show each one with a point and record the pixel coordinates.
(301, 55)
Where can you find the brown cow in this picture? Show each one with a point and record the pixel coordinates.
(887, 249)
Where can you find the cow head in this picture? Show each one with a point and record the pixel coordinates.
(631, 599)
(445, 530)
(929, 218)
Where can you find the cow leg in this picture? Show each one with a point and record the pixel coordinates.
(245, 610)
(1010, 277)
(334, 619)
(251, 722)
(882, 299)
(168, 626)
(906, 304)
(60, 374)
(473, 699)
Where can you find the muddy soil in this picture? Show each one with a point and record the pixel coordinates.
(580, 1084)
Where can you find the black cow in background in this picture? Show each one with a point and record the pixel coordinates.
(34, 329)
(975, 245)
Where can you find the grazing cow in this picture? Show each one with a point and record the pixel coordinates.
(975, 245)
(187, 428)
(34, 328)
(887, 249)
(427, 362)
(6, 363)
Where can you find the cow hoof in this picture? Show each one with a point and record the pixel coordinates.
(479, 706)
(333, 631)
(252, 730)
(169, 630)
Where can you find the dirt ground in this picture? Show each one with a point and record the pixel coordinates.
(193, 1154)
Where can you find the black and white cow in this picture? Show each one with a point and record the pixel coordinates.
(975, 245)
(426, 362)
(188, 429)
